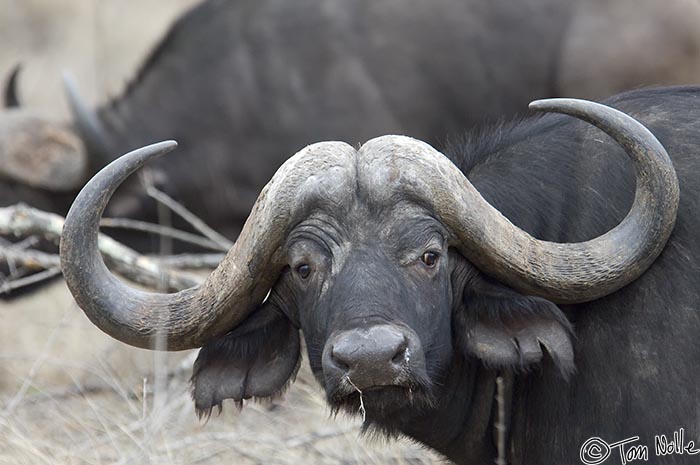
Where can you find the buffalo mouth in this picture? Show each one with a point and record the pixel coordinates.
(378, 401)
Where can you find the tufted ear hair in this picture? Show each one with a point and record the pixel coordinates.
(258, 359)
(504, 328)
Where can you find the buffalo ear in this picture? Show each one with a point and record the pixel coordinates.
(504, 328)
(257, 359)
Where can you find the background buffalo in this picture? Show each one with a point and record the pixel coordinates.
(241, 85)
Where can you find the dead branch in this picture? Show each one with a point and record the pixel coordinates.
(189, 261)
(32, 260)
(21, 221)
(40, 266)
(188, 216)
(31, 241)
(9, 286)
(160, 230)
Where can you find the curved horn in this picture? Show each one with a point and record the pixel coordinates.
(563, 273)
(87, 124)
(191, 317)
(11, 98)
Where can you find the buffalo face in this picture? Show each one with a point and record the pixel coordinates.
(372, 295)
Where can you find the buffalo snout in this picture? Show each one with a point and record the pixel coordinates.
(380, 355)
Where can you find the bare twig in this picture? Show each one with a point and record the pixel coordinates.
(188, 216)
(33, 260)
(11, 263)
(6, 249)
(9, 286)
(500, 425)
(21, 263)
(189, 261)
(165, 219)
(21, 220)
(182, 236)
(30, 241)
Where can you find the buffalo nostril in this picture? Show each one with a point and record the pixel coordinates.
(401, 355)
(339, 361)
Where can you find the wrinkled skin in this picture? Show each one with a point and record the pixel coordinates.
(635, 359)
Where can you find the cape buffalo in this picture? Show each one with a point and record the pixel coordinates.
(243, 84)
(414, 288)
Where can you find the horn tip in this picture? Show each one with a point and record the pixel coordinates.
(168, 144)
(540, 104)
(11, 94)
(548, 104)
(138, 157)
(157, 149)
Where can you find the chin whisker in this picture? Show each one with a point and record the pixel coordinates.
(362, 409)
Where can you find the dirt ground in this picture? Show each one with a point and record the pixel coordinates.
(71, 395)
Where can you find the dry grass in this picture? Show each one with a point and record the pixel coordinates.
(107, 403)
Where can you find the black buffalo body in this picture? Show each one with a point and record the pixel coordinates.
(389, 309)
(636, 368)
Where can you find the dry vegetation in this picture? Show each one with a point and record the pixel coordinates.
(70, 395)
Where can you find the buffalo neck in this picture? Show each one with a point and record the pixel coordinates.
(460, 425)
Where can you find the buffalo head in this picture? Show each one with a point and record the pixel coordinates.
(35, 151)
(388, 260)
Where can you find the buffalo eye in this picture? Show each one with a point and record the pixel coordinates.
(303, 270)
(429, 259)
